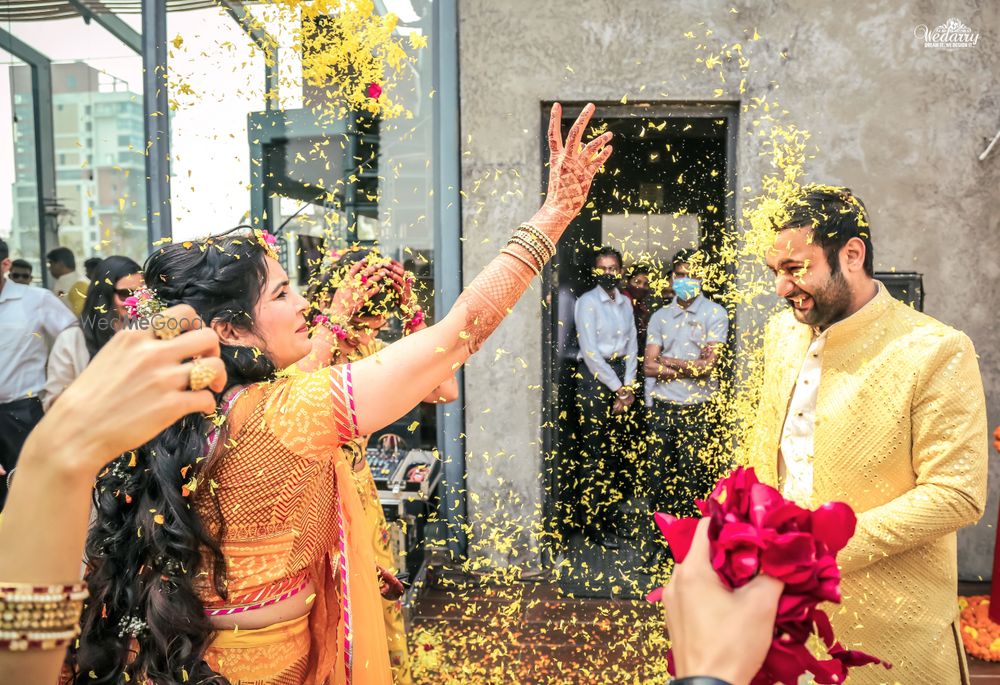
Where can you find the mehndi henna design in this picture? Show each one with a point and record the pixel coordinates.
(497, 288)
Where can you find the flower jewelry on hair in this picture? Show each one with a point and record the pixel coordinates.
(755, 530)
(131, 626)
(415, 321)
(336, 329)
(142, 303)
(267, 241)
(374, 91)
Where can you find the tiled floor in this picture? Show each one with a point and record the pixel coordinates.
(470, 632)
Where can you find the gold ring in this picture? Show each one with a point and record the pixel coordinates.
(162, 328)
(201, 375)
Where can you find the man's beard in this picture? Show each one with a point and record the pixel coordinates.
(830, 303)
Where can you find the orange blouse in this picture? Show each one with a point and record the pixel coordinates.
(282, 496)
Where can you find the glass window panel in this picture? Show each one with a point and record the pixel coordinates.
(18, 183)
(97, 98)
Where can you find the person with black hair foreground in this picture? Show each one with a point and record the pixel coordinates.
(30, 319)
(69, 285)
(20, 271)
(866, 401)
(605, 393)
(228, 549)
(639, 293)
(90, 268)
(104, 314)
(683, 346)
(134, 388)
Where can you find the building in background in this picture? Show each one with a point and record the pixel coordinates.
(99, 165)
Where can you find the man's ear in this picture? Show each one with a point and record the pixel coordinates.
(854, 255)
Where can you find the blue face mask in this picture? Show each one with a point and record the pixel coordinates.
(687, 288)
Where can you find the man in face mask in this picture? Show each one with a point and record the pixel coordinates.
(682, 347)
(608, 363)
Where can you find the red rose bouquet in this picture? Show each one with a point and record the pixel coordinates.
(753, 529)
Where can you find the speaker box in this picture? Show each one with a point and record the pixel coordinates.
(906, 286)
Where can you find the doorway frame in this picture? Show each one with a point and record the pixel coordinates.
(549, 304)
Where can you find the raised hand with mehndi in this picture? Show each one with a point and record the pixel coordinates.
(429, 356)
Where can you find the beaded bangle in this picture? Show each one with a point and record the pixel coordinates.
(541, 236)
(534, 250)
(508, 251)
(25, 641)
(522, 236)
(338, 328)
(39, 616)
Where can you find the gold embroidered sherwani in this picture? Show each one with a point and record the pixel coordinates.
(900, 435)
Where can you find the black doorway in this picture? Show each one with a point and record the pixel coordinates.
(670, 181)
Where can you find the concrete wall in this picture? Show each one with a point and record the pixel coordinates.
(899, 123)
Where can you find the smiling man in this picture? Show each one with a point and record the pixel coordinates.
(867, 401)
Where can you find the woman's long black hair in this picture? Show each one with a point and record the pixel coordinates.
(99, 318)
(146, 548)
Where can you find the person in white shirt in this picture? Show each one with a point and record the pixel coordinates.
(20, 271)
(68, 285)
(30, 318)
(608, 361)
(683, 344)
(104, 314)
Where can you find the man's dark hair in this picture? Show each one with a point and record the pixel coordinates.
(639, 269)
(682, 256)
(607, 251)
(21, 264)
(62, 255)
(836, 215)
(4, 252)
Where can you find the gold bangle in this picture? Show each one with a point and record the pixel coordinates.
(525, 237)
(533, 249)
(531, 237)
(508, 251)
(541, 236)
(39, 616)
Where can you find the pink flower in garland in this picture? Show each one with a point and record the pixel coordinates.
(131, 304)
(374, 91)
(754, 530)
(322, 320)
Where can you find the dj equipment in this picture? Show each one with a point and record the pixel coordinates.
(407, 482)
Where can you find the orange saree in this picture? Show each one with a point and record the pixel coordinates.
(282, 501)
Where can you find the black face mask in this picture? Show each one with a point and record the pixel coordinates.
(608, 281)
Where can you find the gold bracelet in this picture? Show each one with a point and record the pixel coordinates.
(541, 236)
(39, 616)
(532, 238)
(523, 260)
(529, 237)
(533, 249)
(23, 641)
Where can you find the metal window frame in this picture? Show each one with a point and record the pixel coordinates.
(156, 111)
(45, 158)
(448, 256)
(112, 23)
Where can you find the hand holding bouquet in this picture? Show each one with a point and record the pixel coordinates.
(753, 530)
